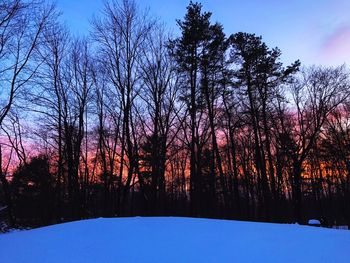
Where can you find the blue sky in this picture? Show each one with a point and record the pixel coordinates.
(314, 31)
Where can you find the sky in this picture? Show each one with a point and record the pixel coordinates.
(314, 31)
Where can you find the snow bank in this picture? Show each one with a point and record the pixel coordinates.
(167, 239)
(314, 222)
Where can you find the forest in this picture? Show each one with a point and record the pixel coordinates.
(132, 120)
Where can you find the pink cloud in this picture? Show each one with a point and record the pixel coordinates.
(336, 47)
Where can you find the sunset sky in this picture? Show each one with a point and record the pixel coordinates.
(314, 31)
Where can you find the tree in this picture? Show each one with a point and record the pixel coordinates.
(335, 154)
(187, 51)
(316, 94)
(259, 75)
(213, 66)
(121, 36)
(32, 185)
(47, 97)
(159, 94)
(77, 88)
(21, 32)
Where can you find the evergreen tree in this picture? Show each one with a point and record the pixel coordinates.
(259, 76)
(188, 52)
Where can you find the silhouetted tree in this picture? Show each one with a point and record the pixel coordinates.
(188, 52)
(317, 93)
(21, 32)
(259, 75)
(33, 194)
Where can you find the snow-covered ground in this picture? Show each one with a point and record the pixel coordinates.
(171, 239)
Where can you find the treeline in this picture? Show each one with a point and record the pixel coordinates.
(130, 120)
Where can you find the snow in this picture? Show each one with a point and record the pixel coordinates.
(341, 227)
(314, 222)
(172, 239)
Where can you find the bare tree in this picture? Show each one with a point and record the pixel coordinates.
(77, 83)
(21, 32)
(158, 94)
(121, 36)
(317, 93)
